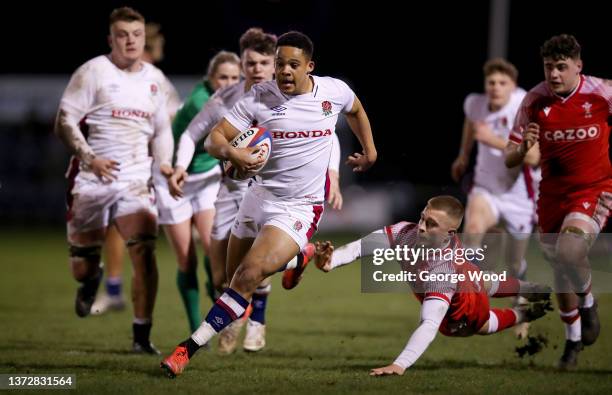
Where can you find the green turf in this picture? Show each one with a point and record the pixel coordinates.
(322, 338)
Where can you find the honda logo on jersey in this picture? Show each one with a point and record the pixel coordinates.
(129, 113)
(279, 134)
(580, 134)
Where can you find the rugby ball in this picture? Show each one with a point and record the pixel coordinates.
(252, 137)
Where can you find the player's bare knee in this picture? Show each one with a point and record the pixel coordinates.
(564, 255)
(84, 261)
(205, 242)
(248, 276)
(548, 251)
(142, 246)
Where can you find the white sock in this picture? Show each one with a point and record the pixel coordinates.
(493, 322)
(203, 334)
(142, 321)
(572, 331)
(586, 301)
(292, 263)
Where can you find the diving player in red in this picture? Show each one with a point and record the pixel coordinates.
(454, 306)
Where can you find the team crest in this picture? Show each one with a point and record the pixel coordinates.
(153, 90)
(587, 109)
(327, 108)
(297, 226)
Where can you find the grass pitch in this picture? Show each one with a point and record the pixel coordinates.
(323, 337)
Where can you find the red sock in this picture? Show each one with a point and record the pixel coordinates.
(569, 316)
(510, 287)
(505, 318)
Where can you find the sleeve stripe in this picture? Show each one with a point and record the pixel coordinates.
(516, 138)
(389, 232)
(437, 295)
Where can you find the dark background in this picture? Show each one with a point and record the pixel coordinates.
(410, 64)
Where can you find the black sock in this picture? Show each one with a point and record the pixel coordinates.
(91, 284)
(141, 333)
(191, 347)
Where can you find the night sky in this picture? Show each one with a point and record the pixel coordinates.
(411, 69)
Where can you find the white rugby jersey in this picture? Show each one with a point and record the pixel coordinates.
(123, 112)
(302, 127)
(491, 172)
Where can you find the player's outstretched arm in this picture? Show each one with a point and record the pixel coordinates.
(432, 313)
(327, 258)
(360, 125)
(388, 370)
